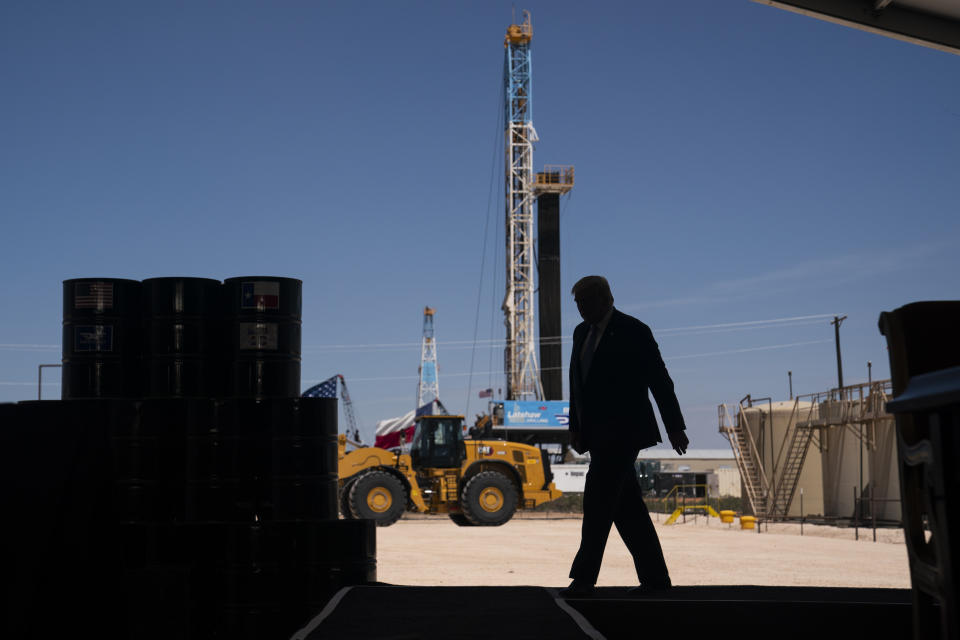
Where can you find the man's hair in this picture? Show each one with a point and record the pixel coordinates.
(593, 283)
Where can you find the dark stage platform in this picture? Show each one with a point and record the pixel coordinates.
(418, 613)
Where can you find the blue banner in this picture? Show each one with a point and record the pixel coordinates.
(547, 414)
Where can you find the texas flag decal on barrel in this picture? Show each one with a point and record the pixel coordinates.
(260, 295)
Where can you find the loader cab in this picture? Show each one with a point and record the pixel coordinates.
(438, 442)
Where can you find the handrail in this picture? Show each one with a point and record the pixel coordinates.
(40, 369)
(662, 502)
(787, 487)
(758, 460)
(706, 490)
(739, 455)
(786, 433)
(555, 174)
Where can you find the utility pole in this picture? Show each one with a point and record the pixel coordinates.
(836, 334)
(870, 400)
(790, 378)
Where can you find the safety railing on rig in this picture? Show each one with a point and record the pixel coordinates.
(554, 174)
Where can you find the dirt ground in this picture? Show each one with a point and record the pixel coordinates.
(432, 550)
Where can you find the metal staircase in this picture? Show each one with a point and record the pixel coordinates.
(744, 452)
(796, 453)
(791, 467)
(858, 409)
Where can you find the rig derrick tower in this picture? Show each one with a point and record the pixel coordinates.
(520, 356)
(428, 389)
(525, 381)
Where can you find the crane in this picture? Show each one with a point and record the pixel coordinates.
(328, 389)
(348, 409)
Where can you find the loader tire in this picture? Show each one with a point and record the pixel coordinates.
(344, 500)
(460, 519)
(377, 496)
(488, 499)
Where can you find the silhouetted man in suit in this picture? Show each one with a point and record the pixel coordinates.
(614, 365)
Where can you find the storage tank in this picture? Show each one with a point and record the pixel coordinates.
(767, 423)
(844, 444)
(841, 450)
(885, 472)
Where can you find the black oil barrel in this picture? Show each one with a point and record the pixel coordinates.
(163, 601)
(255, 579)
(256, 586)
(333, 554)
(303, 462)
(263, 336)
(101, 338)
(147, 450)
(61, 534)
(225, 449)
(135, 463)
(271, 576)
(182, 327)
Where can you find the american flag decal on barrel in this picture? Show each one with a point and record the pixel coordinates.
(93, 295)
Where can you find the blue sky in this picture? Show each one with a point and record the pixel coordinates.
(735, 163)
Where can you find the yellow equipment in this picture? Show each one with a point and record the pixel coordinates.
(476, 482)
(691, 507)
(679, 489)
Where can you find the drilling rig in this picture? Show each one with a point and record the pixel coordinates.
(521, 188)
(478, 481)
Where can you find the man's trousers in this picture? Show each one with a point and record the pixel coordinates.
(612, 496)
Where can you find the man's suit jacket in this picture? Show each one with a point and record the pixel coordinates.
(611, 408)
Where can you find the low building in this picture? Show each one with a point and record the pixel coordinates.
(719, 465)
(723, 477)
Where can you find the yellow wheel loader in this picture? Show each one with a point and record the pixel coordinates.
(475, 482)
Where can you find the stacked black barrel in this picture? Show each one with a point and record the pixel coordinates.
(183, 321)
(101, 338)
(181, 488)
(181, 338)
(263, 336)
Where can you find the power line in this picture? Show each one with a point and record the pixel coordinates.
(486, 229)
(468, 373)
(30, 347)
(732, 351)
(750, 322)
(677, 357)
(27, 384)
(500, 342)
(790, 321)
